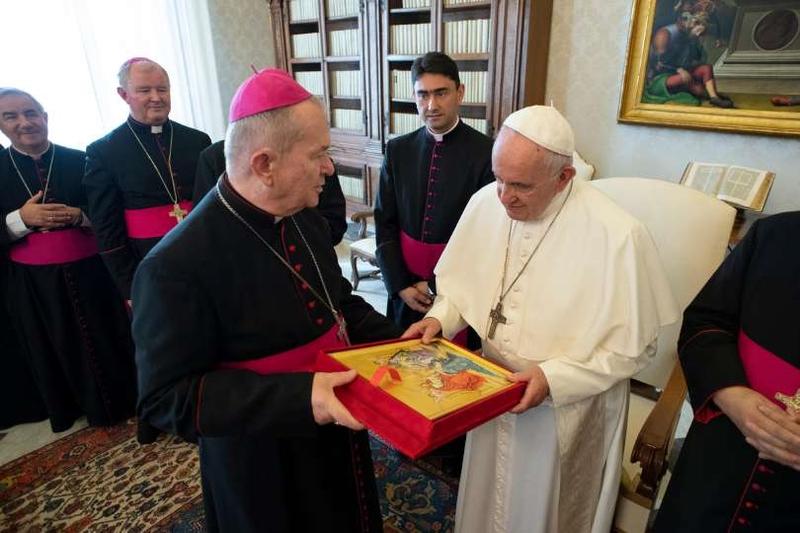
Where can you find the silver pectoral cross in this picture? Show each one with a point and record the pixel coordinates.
(497, 317)
(341, 334)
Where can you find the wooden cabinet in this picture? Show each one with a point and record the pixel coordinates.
(356, 55)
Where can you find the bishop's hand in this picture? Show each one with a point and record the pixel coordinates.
(767, 428)
(325, 406)
(536, 391)
(427, 328)
(45, 216)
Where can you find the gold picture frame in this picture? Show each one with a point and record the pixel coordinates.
(745, 50)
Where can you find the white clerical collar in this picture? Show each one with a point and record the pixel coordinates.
(33, 156)
(440, 136)
(154, 128)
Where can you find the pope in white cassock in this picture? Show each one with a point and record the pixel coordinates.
(566, 289)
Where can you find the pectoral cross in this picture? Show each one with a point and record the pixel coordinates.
(178, 213)
(497, 317)
(342, 333)
(792, 402)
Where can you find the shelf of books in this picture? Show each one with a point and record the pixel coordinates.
(356, 56)
(325, 57)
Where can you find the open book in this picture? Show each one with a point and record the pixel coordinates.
(742, 187)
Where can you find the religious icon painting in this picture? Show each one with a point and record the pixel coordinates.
(418, 396)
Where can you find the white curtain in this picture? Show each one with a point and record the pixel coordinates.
(66, 53)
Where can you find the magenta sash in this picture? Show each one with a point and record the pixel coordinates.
(299, 359)
(420, 257)
(766, 372)
(152, 222)
(54, 247)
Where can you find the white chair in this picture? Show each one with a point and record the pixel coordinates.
(691, 232)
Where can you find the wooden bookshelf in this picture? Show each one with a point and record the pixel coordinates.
(362, 69)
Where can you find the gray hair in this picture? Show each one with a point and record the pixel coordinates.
(276, 129)
(13, 91)
(125, 69)
(554, 163)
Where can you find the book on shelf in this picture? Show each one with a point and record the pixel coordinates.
(306, 45)
(311, 81)
(402, 123)
(347, 119)
(408, 4)
(479, 124)
(458, 3)
(410, 39)
(474, 86)
(352, 186)
(303, 10)
(343, 42)
(342, 8)
(466, 37)
(346, 83)
(742, 187)
(400, 84)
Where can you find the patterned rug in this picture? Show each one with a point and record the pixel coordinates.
(102, 480)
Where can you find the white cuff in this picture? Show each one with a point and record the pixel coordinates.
(15, 226)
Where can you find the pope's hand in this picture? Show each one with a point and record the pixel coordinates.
(427, 328)
(326, 406)
(772, 431)
(416, 299)
(536, 391)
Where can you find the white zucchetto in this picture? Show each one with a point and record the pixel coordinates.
(545, 126)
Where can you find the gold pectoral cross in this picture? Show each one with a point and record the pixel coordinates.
(792, 402)
(497, 317)
(178, 213)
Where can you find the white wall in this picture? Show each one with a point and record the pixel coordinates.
(242, 35)
(587, 59)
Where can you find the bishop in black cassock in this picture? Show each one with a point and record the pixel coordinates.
(122, 182)
(230, 311)
(741, 331)
(140, 177)
(332, 205)
(73, 326)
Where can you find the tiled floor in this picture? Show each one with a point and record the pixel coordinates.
(25, 438)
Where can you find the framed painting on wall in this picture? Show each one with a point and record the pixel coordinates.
(731, 65)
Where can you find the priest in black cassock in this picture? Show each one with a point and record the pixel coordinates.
(230, 310)
(427, 178)
(140, 177)
(739, 468)
(332, 205)
(72, 324)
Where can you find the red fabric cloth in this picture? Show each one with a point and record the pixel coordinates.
(269, 89)
(300, 359)
(54, 247)
(152, 222)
